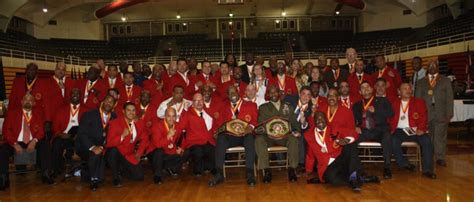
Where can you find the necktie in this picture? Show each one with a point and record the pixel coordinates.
(360, 77)
(61, 84)
(26, 130)
(200, 114)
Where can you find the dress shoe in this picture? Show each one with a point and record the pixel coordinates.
(157, 180)
(441, 163)
(430, 175)
(47, 179)
(355, 186)
(172, 173)
(94, 185)
(197, 174)
(267, 178)
(300, 170)
(217, 179)
(4, 183)
(292, 175)
(410, 167)
(371, 179)
(117, 182)
(314, 180)
(250, 178)
(387, 173)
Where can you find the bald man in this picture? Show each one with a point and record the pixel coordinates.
(59, 90)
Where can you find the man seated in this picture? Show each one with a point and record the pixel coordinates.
(24, 132)
(236, 108)
(277, 108)
(165, 148)
(124, 135)
(410, 123)
(65, 125)
(338, 160)
(90, 140)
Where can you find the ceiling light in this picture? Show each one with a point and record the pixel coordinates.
(231, 15)
(338, 12)
(230, 22)
(45, 10)
(178, 16)
(283, 13)
(123, 18)
(338, 9)
(184, 24)
(277, 21)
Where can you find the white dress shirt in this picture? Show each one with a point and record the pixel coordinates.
(164, 105)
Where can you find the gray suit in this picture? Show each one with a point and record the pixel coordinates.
(440, 108)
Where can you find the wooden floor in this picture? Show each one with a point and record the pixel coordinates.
(454, 183)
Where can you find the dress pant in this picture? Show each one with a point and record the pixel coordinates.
(202, 157)
(59, 158)
(301, 150)
(225, 141)
(426, 149)
(341, 169)
(122, 167)
(94, 170)
(43, 153)
(438, 131)
(381, 135)
(262, 142)
(162, 160)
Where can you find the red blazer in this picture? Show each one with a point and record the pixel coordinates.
(126, 147)
(61, 118)
(221, 88)
(314, 151)
(343, 123)
(96, 94)
(19, 89)
(248, 112)
(136, 90)
(351, 100)
(417, 114)
(215, 107)
(54, 97)
(290, 84)
(118, 82)
(149, 117)
(196, 131)
(157, 96)
(158, 138)
(177, 79)
(392, 82)
(200, 77)
(322, 103)
(241, 86)
(354, 84)
(13, 125)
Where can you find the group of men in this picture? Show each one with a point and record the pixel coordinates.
(177, 114)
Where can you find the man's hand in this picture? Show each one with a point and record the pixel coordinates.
(31, 146)
(171, 103)
(296, 133)
(358, 130)
(212, 85)
(179, 151)
(372, 109)
(419, 132)
(18, 148)
(125, 133)
(248, 129)
(159, 86)
(171, 134)
(302, 119)
(97, 150)
(342, 141)
(391, 74)
(199, 84)
(138, 157)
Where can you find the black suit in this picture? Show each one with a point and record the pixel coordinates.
(293, 100)
(245, 73)
(329, 77)
(91, 133)
(378, 129)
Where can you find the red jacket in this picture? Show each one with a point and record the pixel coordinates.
(118, 82)
(214, 107)
(134, 97)
(39, 90)
(322, 103)
(200, 77)
(54, 97)
(221, 87)
(343, 123)
(248, 112)
(158, 138)
(290, 85)
(196, 131)
(157, 96)
(177, 79)
(62, 116)
(350, 99)
(417, 114)
(148, 117)
(393, 82)
(96, 94)
(354, 84)
(13, 125)
(126, 147)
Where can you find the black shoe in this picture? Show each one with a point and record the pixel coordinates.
(292, 175)
(197, 174)
(217, 179)
(410, 167)
(172, 173)
(300, 170)
(251, 178)
(441, 163)
(267, 178)
(4, 183)
(314, 180)
(117, 182)
(387, 173)
(371, 179)
(430, 175)
(157, 180)
(47, 179)
(94, 185)
(355, 186)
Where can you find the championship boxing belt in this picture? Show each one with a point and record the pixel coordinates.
(276, 128)
(234, 127)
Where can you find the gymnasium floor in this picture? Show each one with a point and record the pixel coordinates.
(454, 183)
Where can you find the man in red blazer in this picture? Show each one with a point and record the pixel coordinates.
(236, 108)
(59, 90)
(357, 77)
(200, 129)
(239, 84)
(125, 134)
(283, 82)
(337, 157)
(165, 146)
(204, 77)
(146, 111)
(92, 91)
(345, 98)
(340, 118)
(66, 122)
(129, 92)
(112, 79)
(223, 81)
(212, 103)
(318, 102)
(24, 132)
(410, 123)
(28, 83)
(156, 85)
(182, 78)
(389, 74)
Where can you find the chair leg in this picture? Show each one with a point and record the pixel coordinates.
(418, 150)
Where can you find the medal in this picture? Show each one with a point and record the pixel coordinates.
(335, 84)
(404, 109)
(324, 149)
(170, 146)
(402, 117)
(73, 121)
(430, 92)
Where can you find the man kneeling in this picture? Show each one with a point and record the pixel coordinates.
(124, 135)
